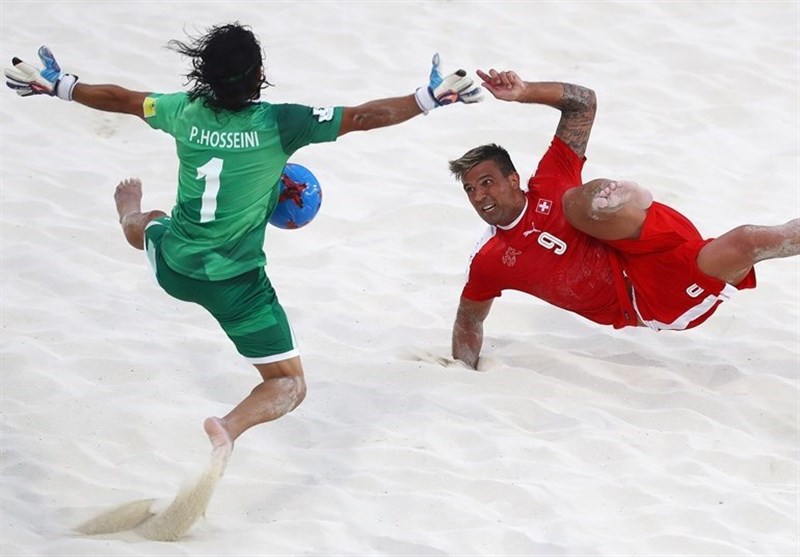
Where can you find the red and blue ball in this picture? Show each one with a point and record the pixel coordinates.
(300, 198)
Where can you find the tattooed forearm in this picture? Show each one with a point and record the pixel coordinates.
(576, 97)
(578, 106)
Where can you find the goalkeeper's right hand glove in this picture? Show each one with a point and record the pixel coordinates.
(27, 80)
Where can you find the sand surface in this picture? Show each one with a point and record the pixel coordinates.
(573, 439)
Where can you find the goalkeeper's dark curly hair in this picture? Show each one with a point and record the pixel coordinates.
(227, 67)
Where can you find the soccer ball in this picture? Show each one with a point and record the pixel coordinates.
(300, 198)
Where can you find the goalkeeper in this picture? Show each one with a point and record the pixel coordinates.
(232, 150)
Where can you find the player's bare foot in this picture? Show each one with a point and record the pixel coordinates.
(128, 197)
(218, 435)
(618, 193)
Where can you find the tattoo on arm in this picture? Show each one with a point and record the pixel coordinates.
(578, 106)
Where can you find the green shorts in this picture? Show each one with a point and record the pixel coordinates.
(246, 306)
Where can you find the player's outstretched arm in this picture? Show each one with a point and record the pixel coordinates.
(110, 98)
(468, 330)
(577, 104)
(49, 80)
(439, 91)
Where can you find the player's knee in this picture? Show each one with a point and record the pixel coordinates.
(302, 390)
(576, 205)
(744, 239)
(294, 390)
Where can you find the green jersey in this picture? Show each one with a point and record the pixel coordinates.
(228, 178)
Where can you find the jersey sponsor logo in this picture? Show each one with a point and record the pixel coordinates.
(323, 114)
(531, 231)
(543, 206)
(510, 256)
(223, 140)
(694, 291)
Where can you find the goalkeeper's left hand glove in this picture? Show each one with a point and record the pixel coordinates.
(456, 87)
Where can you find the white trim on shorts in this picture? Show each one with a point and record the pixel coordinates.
(691, 314)
(150, 252)
(289, 354)
(275, 357)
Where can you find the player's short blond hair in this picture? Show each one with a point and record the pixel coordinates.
(473, 157)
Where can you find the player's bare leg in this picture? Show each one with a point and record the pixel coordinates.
(282, 390)
(608, 209)
(128, 199)
(731, 256)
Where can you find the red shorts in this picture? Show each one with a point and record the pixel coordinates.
(668, 289)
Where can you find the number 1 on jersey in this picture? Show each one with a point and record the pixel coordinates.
(208, 203)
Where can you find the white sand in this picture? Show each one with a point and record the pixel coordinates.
(574, 440)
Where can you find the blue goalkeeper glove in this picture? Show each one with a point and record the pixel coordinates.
(27, 80)
(456, 87)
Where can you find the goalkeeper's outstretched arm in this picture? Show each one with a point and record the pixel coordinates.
(110, 98)
(440, 90)
(28, 80)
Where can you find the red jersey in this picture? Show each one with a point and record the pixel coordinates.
(543, 255)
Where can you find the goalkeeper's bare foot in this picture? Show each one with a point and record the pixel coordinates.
(616, 194)
(128, 197)
(218, 435)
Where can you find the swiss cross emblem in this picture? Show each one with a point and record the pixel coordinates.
(543, 206)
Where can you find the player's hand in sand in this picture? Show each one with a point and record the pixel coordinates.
(456, 87)
(506, 85)
(27, 80)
